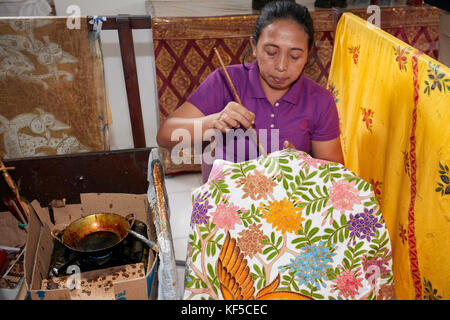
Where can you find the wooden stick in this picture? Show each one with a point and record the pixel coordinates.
(239, 100)
(7, 177)
(9, 203)
(20, 203)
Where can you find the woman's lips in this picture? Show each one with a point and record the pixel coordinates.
(279, 80)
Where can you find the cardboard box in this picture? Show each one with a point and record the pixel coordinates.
(10, 234)
(39, 248)
(12, 240)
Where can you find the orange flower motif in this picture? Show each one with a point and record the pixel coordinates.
(282, 215)
(257, 185)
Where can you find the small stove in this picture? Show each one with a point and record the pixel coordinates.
(129, 251)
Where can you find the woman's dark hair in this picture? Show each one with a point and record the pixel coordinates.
(278, 10)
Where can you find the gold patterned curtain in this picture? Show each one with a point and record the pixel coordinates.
(393, 103)
(52, 90)
(184, 49)
(184, 57)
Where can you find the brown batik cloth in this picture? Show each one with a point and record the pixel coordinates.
(51, 87)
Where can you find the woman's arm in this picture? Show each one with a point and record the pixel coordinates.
(187, 116)
(328, 150)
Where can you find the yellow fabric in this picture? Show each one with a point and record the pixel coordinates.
(398, 139)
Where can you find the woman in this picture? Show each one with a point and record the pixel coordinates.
(286, 108)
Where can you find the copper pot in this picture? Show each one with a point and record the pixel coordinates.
(98, 232)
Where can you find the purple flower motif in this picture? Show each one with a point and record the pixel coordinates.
(200, 209)
(363, 225)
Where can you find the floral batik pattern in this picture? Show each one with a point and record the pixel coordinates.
(443, 186)
(436, 79)
(401, 57)
(367, 118)
(354, 51)
(287, 226)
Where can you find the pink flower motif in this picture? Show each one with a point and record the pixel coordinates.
(217, 173)
(344, 195)
(347, 283)
(313, 162)
(302, 155)
(307, 161)
(226, 216)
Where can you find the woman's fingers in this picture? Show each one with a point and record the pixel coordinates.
(229, 120)
(240, 114)
(233, 116)
(244, 119)
(288, 145)
(221, 125)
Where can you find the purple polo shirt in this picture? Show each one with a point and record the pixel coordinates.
(306, 112)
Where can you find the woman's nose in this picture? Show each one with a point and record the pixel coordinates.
(281, 64)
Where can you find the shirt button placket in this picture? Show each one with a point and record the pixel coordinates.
(272, 125)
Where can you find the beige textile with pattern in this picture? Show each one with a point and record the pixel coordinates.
(52, 91)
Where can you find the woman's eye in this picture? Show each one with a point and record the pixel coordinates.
(271, 53)
(295, 57)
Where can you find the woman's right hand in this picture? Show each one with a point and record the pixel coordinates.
(233, 116)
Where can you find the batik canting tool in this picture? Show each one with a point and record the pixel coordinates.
(258, 142)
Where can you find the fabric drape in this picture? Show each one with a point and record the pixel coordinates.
(394, 105)
(53, 98)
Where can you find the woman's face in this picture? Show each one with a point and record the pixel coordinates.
(281, 52)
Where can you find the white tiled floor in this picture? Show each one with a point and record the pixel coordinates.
(179, 191)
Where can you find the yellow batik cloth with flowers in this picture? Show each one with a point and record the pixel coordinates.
(287, 226)
(394, 108)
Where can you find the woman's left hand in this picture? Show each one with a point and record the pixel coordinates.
(288, 145)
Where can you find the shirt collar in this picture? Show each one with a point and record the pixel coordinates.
(291, 96)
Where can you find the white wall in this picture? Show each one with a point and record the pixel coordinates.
(120, 129)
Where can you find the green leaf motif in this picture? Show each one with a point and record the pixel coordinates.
(443, 186)
(338, 232)
(251, 216)
(272, 246)
(307, 235)
(259, 276)
(196, 245)
(429, 292)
